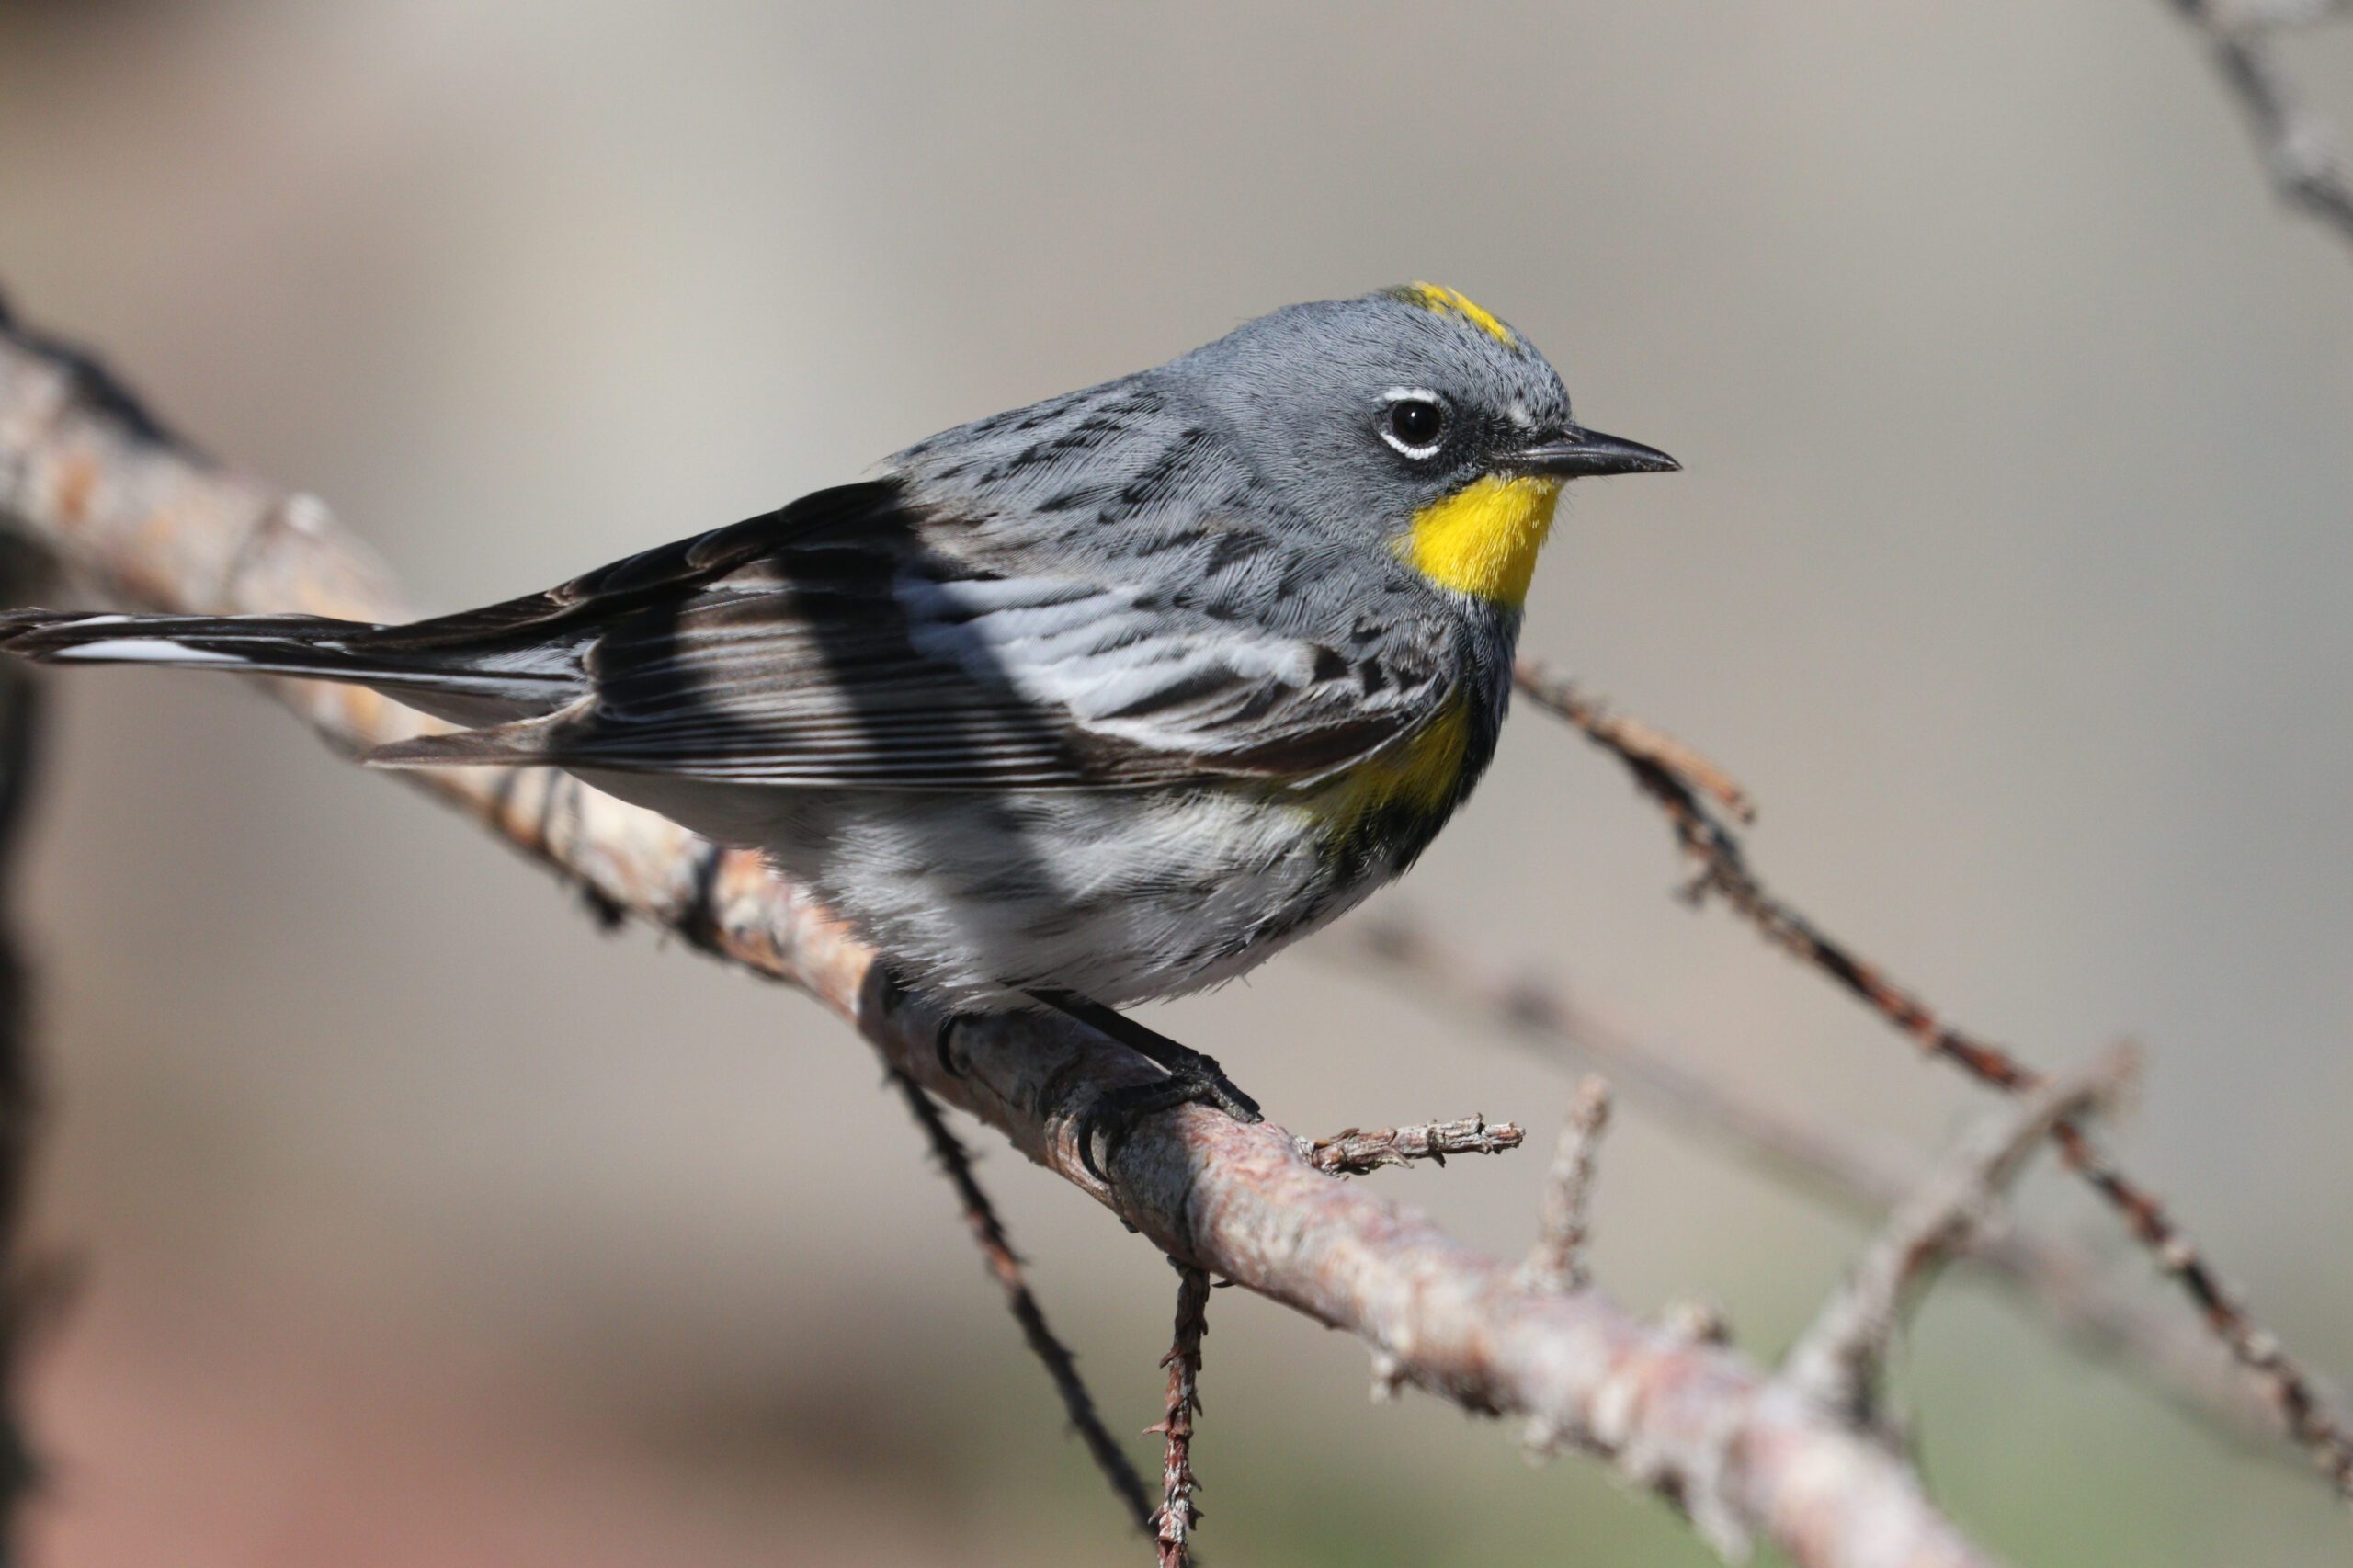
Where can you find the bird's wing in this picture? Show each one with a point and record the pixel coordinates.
(850, 648)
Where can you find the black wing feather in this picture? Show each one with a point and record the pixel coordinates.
(840, 643)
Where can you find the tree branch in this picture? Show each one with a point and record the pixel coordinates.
(156, 525)
(1355, 1152)
(2304, 1405)
(1557, 1260)
(1173, 1525)
(2066, 1284)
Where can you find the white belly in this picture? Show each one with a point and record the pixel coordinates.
(1117, 895)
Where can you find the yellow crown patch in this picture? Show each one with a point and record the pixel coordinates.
(1440, 300)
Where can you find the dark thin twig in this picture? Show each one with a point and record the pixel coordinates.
(1635, 741)
(2271, 15)
(1557, 1260)
(2299, 148)
(1173, 1524)
(2066, 1282)
(1722, 871)
(1004, 1266)
(1355, 1152)
(27, 1286)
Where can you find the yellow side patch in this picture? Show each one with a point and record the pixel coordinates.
(1440, 300)
(1423, 772)
(1484, 538)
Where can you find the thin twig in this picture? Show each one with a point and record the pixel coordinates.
(1838, 1359)
(1005, 1267)
(1722, 871)
(1173, 1524)
(2299, 148)
(1635, 741)
(1557, 1260)
(1538, 1014)
(28, 1287)
(2269, 15)
(2060, 1279)
(1355, 1152)
(2064, 1283)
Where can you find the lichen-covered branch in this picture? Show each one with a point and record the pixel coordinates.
(154, 525)
(1355, 1151)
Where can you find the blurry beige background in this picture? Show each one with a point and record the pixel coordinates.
(2011, 569)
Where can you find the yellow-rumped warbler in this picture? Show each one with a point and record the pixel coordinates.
(1104, 699)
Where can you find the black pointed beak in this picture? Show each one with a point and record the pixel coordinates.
(1581, 454)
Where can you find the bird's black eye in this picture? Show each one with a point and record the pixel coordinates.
(1415, 424)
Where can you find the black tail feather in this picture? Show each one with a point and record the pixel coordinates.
(311, 646)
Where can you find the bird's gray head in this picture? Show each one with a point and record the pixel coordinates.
(1412, 413)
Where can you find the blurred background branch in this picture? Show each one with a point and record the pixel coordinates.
(2300, 149)
(1660, 769)
(2060, 1283)
(1842, 1355)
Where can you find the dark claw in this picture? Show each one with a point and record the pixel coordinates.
(1195, 1081)
(1217, 1089)
(1114, 1115)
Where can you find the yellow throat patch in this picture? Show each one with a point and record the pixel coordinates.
(1440, 300)
(1484, 538)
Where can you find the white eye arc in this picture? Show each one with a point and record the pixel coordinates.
(1414, 421)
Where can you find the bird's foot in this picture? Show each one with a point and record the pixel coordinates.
(1107, 1123)
(1194, 1078)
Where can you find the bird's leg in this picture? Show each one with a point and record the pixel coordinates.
(1185, 1065)
(892, 993)
(1193, 1078)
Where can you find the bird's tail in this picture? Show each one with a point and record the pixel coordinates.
(470, 684)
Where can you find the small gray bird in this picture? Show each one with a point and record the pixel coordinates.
(1104, 699)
